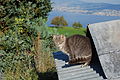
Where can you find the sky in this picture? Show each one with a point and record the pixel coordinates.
(104, 1)
(95, 1)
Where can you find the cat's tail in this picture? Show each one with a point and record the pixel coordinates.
(81, 59)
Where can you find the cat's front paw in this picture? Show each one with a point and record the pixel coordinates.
(84, 65)
(66, 63)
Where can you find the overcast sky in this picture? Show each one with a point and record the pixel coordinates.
(104, 1)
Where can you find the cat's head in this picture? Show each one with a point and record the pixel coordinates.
(59, 39)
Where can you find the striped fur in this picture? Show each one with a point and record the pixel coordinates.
(78, 48)
(80, 59)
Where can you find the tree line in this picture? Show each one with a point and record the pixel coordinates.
(59, 21)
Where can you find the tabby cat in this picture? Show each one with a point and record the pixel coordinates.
(77, 47)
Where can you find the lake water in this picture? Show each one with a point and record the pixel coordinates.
(83, 19)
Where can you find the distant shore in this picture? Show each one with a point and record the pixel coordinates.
(84, 19)
(104, 12)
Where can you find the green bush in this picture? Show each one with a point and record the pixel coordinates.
(19, 25)
(37, 8)
(18, 47)
(17, 59)
(59, 21)
(31, 9)
(77, 25)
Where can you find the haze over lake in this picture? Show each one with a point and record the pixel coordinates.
(84, 12)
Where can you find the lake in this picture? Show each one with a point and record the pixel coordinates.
(77, 17)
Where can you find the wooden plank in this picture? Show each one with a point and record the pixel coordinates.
(106, 37)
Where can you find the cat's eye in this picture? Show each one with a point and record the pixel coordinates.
(62, 36)
(54, 38)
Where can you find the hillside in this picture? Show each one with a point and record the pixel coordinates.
(68, 31)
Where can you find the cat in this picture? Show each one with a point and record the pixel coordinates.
(77, 47)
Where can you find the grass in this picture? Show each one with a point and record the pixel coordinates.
(68, 31)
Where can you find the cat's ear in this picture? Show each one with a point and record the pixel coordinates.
(54, 36)
(63, 36)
